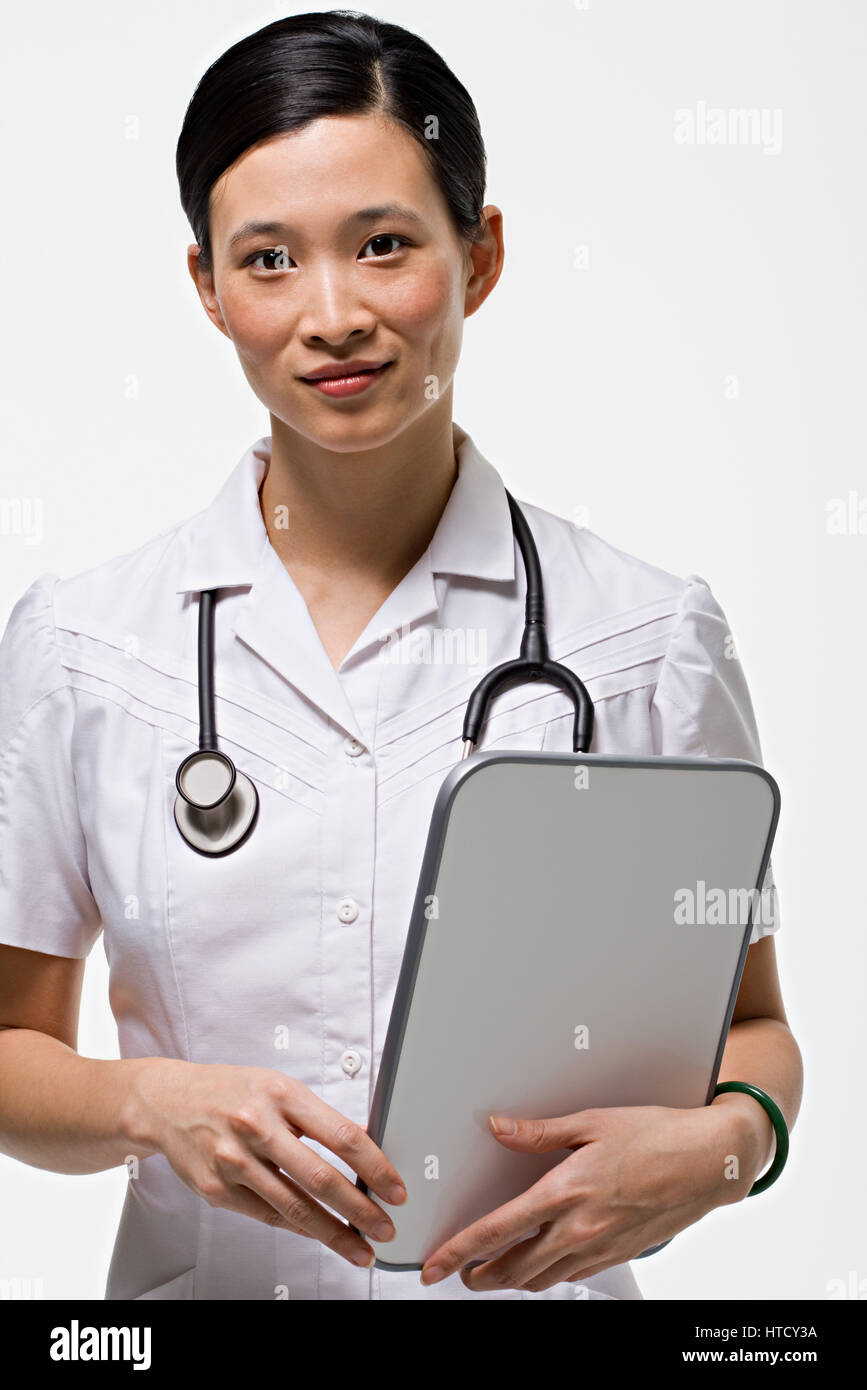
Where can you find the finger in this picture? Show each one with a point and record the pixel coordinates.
(273, 1198)
(541, 1136)
(564, 1272)
(508, 1223)
(274, 1210)
(589, 1257)
(348, 1140)
(229, 1196)
(309, 1170)
(512, 1269)
(531, 1259)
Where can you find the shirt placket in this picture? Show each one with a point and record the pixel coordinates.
(348, 837)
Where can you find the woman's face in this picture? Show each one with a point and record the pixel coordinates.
(355, 256)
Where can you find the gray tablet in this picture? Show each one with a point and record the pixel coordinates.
(577, 940)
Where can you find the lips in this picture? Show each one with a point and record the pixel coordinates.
(353, 378)
(334, 371)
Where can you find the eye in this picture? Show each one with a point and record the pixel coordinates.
(278, 252)
(384, 237)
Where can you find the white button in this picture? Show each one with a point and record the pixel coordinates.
(348, 910)
(352, 748)
(351, 1061)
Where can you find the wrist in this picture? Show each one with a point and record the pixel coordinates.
(745, 1137)
(139, 1118)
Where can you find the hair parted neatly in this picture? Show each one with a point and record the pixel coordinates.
(331, 63)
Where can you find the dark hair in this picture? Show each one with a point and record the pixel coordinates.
(333, 63)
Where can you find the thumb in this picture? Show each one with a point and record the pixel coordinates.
(539, 1136)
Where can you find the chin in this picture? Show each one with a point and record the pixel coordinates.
(356, 431)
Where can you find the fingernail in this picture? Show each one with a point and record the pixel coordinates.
(432, 1275)
(396, 1193)
(361, 1257)
(502, 1124)
(383, 1230)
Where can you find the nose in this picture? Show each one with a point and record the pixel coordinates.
(333, 309)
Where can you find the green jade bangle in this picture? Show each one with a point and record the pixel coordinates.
(780, 1130)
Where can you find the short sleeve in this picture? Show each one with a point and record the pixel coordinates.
(701, 706)
(46, 902)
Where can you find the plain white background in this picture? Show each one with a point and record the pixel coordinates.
(675, 356)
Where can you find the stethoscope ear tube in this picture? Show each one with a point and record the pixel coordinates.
(533, 663)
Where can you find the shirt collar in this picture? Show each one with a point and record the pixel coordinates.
(222, 546)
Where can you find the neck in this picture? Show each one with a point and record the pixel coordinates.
(365, 516)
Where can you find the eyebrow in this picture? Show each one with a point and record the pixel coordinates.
(356, 219)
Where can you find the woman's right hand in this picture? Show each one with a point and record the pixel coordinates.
(228, 1132)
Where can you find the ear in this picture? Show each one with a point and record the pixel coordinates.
(486, 258)
(204, 283)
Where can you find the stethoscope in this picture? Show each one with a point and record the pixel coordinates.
(217, 806)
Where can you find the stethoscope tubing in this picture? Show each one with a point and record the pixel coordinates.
(218, 826)
(207, 711)
(534, 663)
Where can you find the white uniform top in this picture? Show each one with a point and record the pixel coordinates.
(285, 953)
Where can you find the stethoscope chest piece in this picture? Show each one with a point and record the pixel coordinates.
(216, 805)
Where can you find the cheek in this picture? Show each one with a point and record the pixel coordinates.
(425, 308)
(257, 328)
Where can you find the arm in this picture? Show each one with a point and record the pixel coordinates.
(761, 1049)
(232, 1134)
(58, 1110)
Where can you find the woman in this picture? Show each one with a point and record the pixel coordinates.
(333, 173)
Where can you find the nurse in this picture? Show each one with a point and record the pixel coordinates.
(333, 173)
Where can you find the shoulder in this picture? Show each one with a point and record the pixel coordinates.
(119, 599)
(29, 669)
(623, 623)
(590, 583)
(122, 594)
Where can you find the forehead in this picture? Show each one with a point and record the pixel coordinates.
(328, 169)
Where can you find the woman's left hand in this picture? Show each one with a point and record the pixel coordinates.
(637, 1175)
